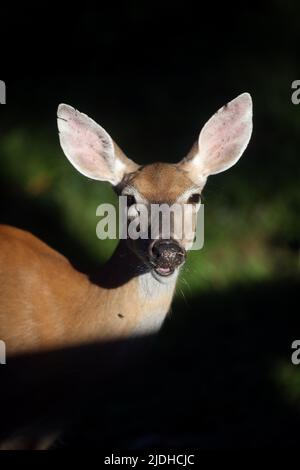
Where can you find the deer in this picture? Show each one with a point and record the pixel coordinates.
(45, 303)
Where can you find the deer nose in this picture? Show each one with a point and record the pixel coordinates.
(167, 252)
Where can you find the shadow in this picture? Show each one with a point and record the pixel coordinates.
(44, 220)
(208, 380)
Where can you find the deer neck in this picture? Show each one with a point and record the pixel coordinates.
(135, 300)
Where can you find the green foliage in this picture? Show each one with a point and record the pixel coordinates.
(251, 228)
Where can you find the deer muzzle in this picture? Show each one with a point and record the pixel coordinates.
(165, 256)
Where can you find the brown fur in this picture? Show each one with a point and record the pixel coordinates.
(161, 182)
(45, 303)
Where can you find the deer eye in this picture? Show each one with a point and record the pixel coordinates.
(130, 200)
(194, 198)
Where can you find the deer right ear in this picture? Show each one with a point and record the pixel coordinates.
(222, 140)
(90, 148)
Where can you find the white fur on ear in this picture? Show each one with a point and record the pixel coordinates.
(222, 140)
(89, 147)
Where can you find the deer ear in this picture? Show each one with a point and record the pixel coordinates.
(90, 148)
(222, 140)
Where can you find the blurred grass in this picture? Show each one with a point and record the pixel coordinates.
(287, 378)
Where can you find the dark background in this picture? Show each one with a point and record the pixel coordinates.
(152, 74)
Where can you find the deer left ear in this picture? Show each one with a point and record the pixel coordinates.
(222, 140)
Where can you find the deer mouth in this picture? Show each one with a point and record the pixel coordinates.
(164, 270)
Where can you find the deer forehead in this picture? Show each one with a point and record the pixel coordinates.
(161, 182)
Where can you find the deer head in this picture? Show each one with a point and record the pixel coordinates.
(93, 153)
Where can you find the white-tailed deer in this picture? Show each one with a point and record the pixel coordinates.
(45, 303)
